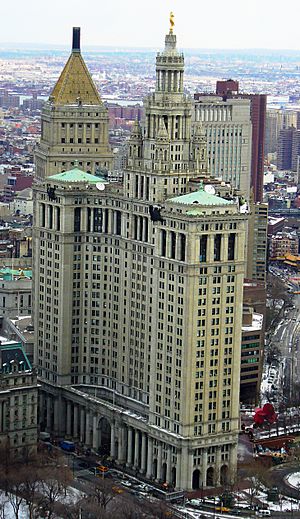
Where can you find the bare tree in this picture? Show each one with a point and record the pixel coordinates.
(102, 492)
(54, 483)
(257, 475)
(14, 482)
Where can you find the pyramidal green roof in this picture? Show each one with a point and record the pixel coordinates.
(200, 197)
(76, 175)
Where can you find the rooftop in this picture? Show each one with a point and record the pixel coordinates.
(202, 198)
(13, 358)
(75, 84)
(9, 274)
(76, 175)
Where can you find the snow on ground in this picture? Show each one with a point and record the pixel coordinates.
(293, 480)
(7, 511)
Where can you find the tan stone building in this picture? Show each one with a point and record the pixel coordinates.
(74, 122)
(18, 401)
(227, 127)
(138, 301)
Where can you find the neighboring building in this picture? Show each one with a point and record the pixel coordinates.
(227, 128)
(295, 151)
(20, 330)
(74, 122)
(275, 225)
(282, 244)
(18, 402)
(257, 243)
(258, 104)
(143, 363)
(251, 356)
(235, 139)
(272, 131)
(284, 148)
(15, 292)
(22, 203)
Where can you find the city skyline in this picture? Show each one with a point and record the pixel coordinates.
(244, 27)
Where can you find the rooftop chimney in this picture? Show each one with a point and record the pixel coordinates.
(76, 39)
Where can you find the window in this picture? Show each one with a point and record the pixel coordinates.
(203, 248)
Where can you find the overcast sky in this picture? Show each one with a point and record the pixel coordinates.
(125, 23)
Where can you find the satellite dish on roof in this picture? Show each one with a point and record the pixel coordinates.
(100, 186)
(209, 189)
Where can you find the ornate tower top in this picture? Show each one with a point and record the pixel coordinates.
(75, 85)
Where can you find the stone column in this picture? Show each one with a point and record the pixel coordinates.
(169, 465)
(56, 415)
(218, 466)
(87, 428)
(41, 408)
(1, 416)
(95, 432)
(68, 418)
(49, 414)
(233, 462)
(82, 413)
(204, 467)
(143, 455)
(121, 444)
(75, 423)
(112, 441)
(136, 449)
(150, 458)
(159, 458)
(129, 446)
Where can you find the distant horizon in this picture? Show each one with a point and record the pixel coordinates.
(15, 46)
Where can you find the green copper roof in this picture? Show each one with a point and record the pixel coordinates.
(9, 274)
(76, 175)
(200, 197)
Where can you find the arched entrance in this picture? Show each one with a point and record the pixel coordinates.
(210, 477)
(196, 479)
(104, 432)
(224, 475)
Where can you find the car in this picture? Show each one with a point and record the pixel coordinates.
(126, 483)
(117, 490)
(67, 446)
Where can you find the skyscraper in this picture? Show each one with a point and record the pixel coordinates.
(74, 122)
(138, 301)
(232, 122)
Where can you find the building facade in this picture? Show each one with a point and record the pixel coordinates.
(144, 360)
(251, 356)
(74, 122)
(257, 242)
(227, 128)
(15, 292)
(236, 140)
(18, 402)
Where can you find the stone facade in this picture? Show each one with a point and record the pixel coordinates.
(18, 402)
(138, 302)
(74, 124)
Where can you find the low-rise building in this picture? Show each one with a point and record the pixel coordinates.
(18, 401)
(282, 244)
(15, 292)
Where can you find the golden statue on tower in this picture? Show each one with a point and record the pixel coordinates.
(172, 23)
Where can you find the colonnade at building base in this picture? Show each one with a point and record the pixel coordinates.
(132, 446)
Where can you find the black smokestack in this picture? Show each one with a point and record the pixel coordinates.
(76, 39)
